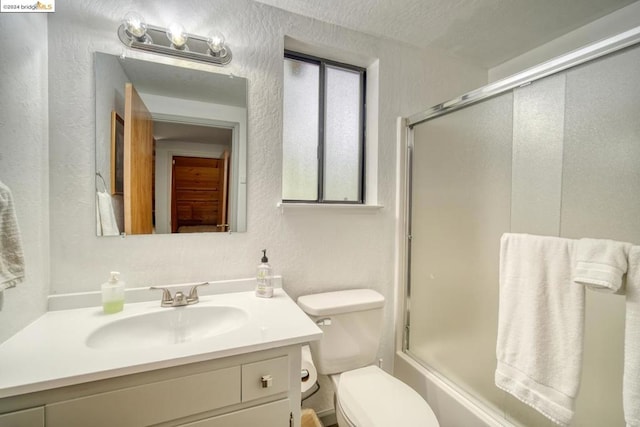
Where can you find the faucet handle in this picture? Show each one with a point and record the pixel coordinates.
(193, 293)
(167, 299)
(180, 299)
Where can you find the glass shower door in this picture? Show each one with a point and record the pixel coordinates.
(558, 157)
(461, 204)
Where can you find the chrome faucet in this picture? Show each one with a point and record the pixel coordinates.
(179, 299)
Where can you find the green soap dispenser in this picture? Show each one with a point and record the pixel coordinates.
(264, 286)
(113, 294)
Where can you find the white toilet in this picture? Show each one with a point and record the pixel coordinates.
(366, 396)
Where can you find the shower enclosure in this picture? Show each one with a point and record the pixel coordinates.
(549, 152)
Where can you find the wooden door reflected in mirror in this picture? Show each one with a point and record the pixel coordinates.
(199, 194)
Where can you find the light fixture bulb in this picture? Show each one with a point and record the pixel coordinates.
(177, 35)
(135, 25)
(215, 40)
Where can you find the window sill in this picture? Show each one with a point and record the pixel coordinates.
(284, 206)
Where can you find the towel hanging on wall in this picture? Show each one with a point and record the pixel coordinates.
(600, 264)
(11, 254)
(106, 224)
(105, 218)
(540, 324)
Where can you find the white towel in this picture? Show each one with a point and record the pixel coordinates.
(105, 216)
(600, 264)
(540, 324)
(11, 255)
(631, 380)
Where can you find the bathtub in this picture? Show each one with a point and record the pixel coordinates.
(452, 407)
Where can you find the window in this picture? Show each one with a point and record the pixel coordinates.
(323, 135)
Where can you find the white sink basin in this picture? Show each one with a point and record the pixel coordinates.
(167, 327)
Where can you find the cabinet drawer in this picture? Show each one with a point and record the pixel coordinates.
(274, 414)
(149, 403)
(28, 418)
(265, 378)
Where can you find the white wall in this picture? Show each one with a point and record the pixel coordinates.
(313, 250)
(615, 23)
(24, 159)
(109, 97)
(227, 116)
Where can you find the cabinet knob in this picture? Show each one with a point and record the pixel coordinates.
(266, 381)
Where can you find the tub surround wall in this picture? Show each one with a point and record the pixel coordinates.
(314, 250)
(24, 160)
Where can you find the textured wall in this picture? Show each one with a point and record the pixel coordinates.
(313, 250)
(109, 97)
(23, 159)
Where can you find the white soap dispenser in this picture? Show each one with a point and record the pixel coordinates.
(264, 286)
(113, 294)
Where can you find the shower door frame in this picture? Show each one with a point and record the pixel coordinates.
(405, 172)
(523, 78)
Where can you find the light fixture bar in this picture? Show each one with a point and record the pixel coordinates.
(157, 42)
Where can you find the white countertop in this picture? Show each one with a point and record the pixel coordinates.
(51, 352)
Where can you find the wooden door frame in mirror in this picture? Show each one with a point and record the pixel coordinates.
(117, 154)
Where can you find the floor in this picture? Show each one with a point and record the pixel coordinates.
(310, 419)
(322, 402)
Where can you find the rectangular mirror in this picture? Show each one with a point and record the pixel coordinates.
(171, 146)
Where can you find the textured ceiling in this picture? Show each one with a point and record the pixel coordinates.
(180, 132)
(486, 32)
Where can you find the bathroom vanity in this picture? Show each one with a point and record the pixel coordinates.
(56, 373)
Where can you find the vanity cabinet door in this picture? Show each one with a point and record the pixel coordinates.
(33, 417)
(274, 414)
(150, 403)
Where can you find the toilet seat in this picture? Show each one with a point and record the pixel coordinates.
(369, 397)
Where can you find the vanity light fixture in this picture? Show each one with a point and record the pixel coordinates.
(215, 41)
(178, 36)
(134, 32)
(135, 27)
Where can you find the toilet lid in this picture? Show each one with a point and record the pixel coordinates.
(371, 397)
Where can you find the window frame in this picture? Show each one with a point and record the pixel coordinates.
(323, 63)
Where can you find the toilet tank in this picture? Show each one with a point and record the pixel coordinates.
(351, 322)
